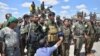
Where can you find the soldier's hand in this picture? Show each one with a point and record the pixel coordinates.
(86, 36)
(61, 38)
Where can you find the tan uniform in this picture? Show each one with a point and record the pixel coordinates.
(89, 41)
(67, 41)
(78, 29)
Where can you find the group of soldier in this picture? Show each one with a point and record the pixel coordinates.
(21, 36)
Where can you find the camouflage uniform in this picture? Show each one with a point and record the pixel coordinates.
(67, 41)
(1, 43)
(89, 41)
(52, 34)
(35, 35)
(97, 33)
(4, 24)
(2, 46)
(78, 30)
(24, 34)
(9, 37)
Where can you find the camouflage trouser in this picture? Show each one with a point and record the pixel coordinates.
(89, 44)
(55, 53)
(32, 47)
(2, 49)
(23, 43)
(97, 37)
(78, 41)
(1, 46)
(65, 49)
(10, 51)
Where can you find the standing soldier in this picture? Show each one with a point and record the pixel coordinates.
(43, 24)
(67, 32)
(52, 31)
(9, 37)
(24, 33)
(78, 29)
(59, 26)
(32, 8)
(34, 35)
(97, 32)
(89, 37)
(7, 16)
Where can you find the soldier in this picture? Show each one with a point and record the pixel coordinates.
(9, 37)
(1, 44)
(24, 33)
(78, 29)
(59, 26)
(43, 24)
(67, 32)
(35, 34)
(97, 32)
(7, 16)
(89, 37)
(32, 8)
(52, 31)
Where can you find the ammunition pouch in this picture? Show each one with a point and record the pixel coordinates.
(52, 34)
(52, 37)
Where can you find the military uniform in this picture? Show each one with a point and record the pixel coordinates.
(52, 34)
(4, 24)
(9, 38)
(35, 35)
(44, 29)
(97, 33)
(78, 29)
(24, 33)
(67, 41)
(90, 38)
(2, 46)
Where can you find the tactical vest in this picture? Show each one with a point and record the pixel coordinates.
(52, 33)
(67, 33)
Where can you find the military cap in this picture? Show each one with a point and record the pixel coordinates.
(12, 19)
